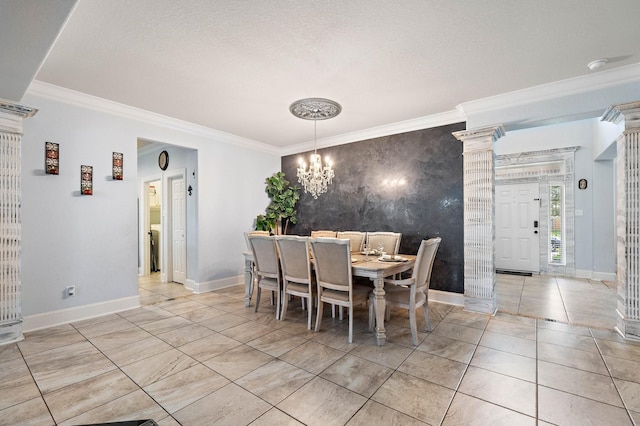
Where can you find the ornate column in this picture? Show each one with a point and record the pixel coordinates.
(628, 217)
(11, 118)
(479, 217)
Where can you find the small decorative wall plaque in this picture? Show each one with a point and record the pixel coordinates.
(117, 165)
(51, 158)
(582, 184)
(86, 180)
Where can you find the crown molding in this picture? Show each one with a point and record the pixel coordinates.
(420, 123)
(72, 97)
(557, 89)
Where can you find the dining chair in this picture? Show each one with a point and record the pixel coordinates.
(297, 279)
(357, 239)
(267, 267)
(332, 264)
(413, 292)
(390, 241)
(248, 233)
(323, 234)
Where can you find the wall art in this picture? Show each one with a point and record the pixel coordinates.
(117, 165)
(86, 180)
(51, 158)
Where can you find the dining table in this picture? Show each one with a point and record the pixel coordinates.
(376, 268)
(371, 266)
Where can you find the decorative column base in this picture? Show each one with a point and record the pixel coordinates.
(627, 328)
(11, 333)
(481, 305)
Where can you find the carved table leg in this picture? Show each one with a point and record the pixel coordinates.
(248, 281)
(380, 305)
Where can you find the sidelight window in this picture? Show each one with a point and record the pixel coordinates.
(556, 225)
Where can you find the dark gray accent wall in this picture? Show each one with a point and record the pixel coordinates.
(430, 204)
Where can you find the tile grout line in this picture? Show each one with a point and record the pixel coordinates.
(624, 404)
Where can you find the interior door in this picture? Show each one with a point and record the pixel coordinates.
(517, 227)
(178, 225)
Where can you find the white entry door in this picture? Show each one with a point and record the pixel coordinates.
(178, 225)
(517, 227)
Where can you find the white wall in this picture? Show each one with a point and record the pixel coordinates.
(92, 241)
(595, 229)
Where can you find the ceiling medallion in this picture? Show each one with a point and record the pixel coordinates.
(316, 179)
(315, 109)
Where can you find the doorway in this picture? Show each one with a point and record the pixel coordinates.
(518, 227)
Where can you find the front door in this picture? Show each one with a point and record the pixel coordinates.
(178, 225)
(517, 227)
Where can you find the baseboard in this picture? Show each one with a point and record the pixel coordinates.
(446, 297)
(594, 275)
(78, 313)
(204, 287)
(190, 284)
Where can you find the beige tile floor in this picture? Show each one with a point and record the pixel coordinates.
(206, 359)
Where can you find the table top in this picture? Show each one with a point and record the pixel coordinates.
(370, 266)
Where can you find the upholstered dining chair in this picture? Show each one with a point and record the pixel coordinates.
(332, 264)
(413, 292)
(357, 239)
(389, 240)
(248, 233)
(297, 279)
(323, 234)
(267, 267)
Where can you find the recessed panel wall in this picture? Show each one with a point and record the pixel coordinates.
(409, 183)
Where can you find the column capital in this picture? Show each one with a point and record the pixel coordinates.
(479, 139)
(630, 112)
(12, 115)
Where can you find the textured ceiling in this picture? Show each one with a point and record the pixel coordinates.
(236, 66)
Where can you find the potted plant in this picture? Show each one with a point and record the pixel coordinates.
(281, 210)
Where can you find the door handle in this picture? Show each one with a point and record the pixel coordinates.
(535, 223)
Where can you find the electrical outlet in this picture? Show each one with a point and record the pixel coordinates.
(71, 290)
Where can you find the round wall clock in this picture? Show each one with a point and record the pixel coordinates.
(163, 160)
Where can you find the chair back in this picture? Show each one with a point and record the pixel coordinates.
(265, 255)
(389, 240)
(248, 233)
(357, 239)
(294, 258)
(323, 234)
(332, 263)
(424, 263)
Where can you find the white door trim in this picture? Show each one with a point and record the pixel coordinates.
(144, 223)
(167, 238)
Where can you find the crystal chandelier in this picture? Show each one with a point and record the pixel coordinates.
(317, 177)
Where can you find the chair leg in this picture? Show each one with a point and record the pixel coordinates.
(302, 301)
(350, 313)
(412, 323)
(272, 298)
(278, 299)
(425, 309)
(387, 313)
(310, 312)
(372, 314)
(258, 299)
(341, 315)
(319, 315)
(285, 304)
(333, 311)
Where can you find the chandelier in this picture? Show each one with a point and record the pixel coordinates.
(315, 179)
